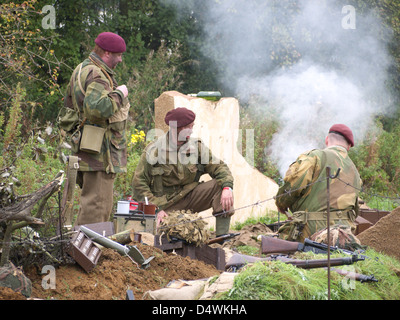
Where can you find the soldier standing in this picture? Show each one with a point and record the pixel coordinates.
(304, 191)
(102, 106)
(170, 168)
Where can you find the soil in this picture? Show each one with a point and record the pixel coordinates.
(115, 274)
(384, 236)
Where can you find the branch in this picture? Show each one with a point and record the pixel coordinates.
(22, 210)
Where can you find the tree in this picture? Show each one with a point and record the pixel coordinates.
(26, 57)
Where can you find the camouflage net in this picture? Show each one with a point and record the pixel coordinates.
(185, 225)
(340, 236)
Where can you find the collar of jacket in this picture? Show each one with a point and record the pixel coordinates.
(100, 61)
(339, 148)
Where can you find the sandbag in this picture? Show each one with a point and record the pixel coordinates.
(178, 290)
(222, 284)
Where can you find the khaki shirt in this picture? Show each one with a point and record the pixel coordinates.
(165, 174)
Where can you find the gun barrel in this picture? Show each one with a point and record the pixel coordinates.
(223, 238)
(355, 276)
(318, 263)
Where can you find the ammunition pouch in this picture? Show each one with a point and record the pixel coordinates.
(305, 224)
(292, 230)
(92, 138)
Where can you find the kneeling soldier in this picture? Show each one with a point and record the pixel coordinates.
(170, 168)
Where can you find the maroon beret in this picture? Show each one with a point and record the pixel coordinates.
(111, 42)
(181, 116)
(344, 131)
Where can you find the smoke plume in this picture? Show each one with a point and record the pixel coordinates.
(336, 71)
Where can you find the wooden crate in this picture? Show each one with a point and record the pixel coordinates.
(213, 256)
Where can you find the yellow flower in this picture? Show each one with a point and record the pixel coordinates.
(138, 136)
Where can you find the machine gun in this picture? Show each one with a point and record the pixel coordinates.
(271, 245)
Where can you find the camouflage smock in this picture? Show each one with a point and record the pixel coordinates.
(309, 168)
(99, 104)
(166, 175)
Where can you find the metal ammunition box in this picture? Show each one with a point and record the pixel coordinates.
(84, 251)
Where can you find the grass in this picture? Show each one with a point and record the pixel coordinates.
(275, 280)
(267, 219)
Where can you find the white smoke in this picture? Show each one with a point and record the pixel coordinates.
(339, 78)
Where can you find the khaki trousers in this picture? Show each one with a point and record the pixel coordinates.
(205, 196)
(96, 198)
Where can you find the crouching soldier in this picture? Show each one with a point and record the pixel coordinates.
(170, 168)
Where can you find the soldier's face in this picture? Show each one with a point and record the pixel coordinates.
(184, 133)
(112, 59)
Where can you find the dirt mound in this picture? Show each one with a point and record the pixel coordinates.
(384, 236)
(9, 294)
(248, 235)
(115, 274)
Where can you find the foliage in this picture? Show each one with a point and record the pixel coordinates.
(267, 219)
(13, 128)
(254, 116)
(156, 75)
(10, 142)
(377, 159)
(26, 57)
(123, 182)
(275, 280)
(164, 52)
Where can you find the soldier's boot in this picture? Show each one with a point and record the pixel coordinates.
(222, 225)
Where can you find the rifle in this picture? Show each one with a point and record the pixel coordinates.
(222, 238)
(239, 260)
(270, 245)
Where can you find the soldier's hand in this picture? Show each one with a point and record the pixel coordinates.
(160, 216)
(285, 212)
(227, 199)
(123, 89)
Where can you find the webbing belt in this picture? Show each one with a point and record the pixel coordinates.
(72, 172)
